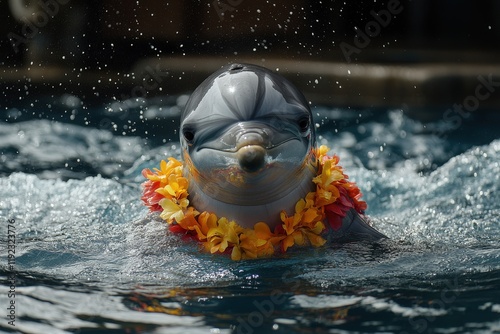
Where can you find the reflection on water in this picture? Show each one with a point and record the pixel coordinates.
(90, 257)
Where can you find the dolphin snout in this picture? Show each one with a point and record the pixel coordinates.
(251, 158)
(251, 149)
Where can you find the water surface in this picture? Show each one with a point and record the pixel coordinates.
(89, 257)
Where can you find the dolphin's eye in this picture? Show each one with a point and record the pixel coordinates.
(303, 123)
(188, 135)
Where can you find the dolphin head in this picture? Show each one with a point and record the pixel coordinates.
(247, 139)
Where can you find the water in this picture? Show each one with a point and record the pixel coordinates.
(90, 259)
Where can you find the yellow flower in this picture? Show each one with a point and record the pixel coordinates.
(222, 236)
(173, 211)
(327, 181)
(310, 199)
(175, 188)
(322, 151)
(313, 234)
(329, 174)
(303, 225)
(246, 247)
(290, 225)
(236, 254)
(325, 197)
(259, 242)
(161, 175)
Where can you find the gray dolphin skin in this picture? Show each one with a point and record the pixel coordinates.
(247, 139)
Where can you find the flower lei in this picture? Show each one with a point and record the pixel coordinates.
(165, 191)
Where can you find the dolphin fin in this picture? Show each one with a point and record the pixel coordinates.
(355, 227)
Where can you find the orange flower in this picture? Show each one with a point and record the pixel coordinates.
(265, 240)
(189, 222)
(206, 222)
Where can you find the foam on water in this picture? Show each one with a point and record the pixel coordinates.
(90, 256)
(61, 150)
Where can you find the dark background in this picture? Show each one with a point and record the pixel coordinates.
(430, 53)
(118, 33)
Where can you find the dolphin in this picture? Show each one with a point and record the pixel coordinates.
(247, 139)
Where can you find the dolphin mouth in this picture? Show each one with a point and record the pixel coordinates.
(253, 156)
(252, 138)
(250, 149)
(252, 165)
(253, 175)
(248, 133)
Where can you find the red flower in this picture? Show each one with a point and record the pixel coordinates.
(150, 197)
